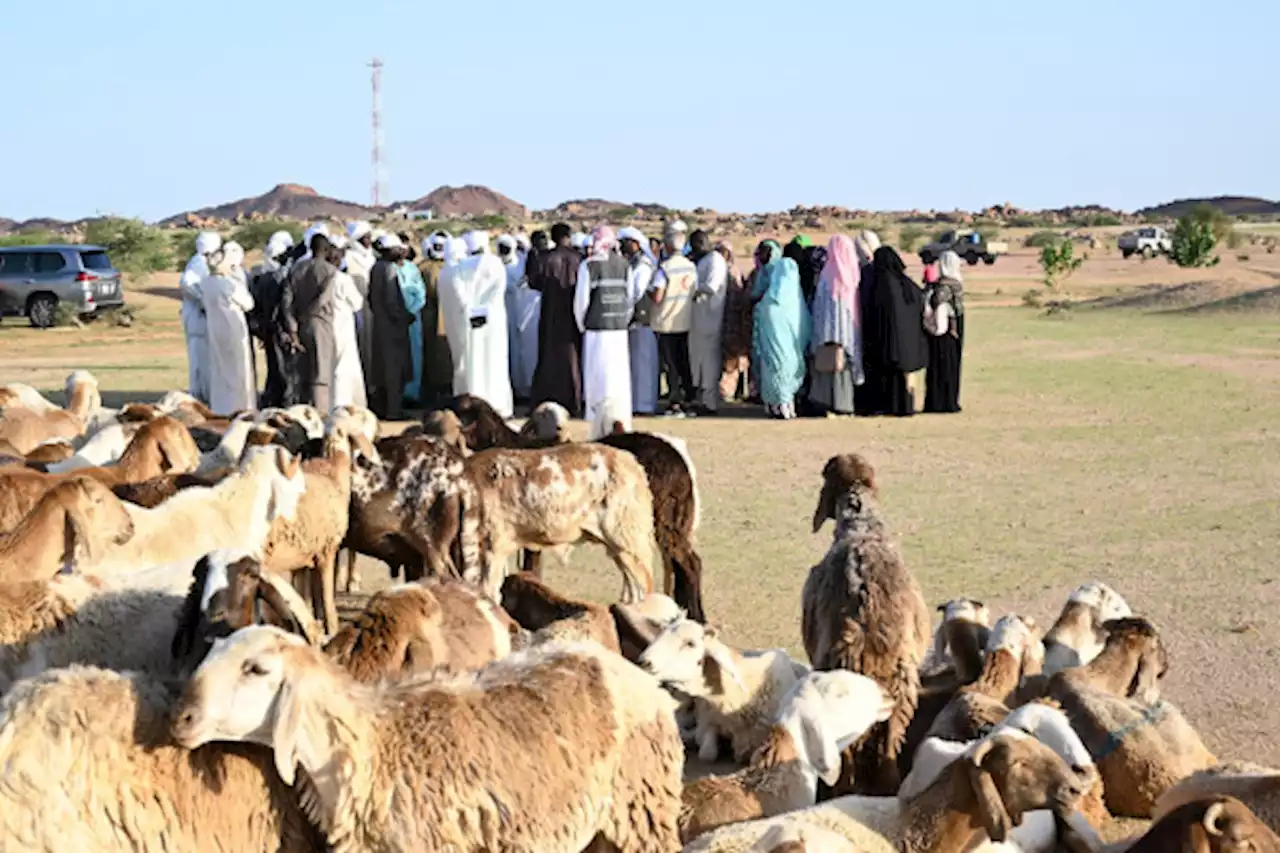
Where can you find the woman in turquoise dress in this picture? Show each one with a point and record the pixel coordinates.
(781, 330)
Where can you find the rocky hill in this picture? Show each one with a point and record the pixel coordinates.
(285, 201)
(1231, 205)
(471, 200)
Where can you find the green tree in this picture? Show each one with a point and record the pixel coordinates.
(1059, 262)
(254, 235)
(1040, 239)
(909, 236)
(30, 238)
(135, 247)
(1193, 242)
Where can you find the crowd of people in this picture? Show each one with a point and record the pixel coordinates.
(595, 323)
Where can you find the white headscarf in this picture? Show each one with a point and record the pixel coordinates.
(455, 250)
(433, 246)
(390, 241)
(865, 244)
(476, 241)
(949, 266)
(208, 242)
(277, 244)
(632, 233)
(230, 259)
(356, 230)
(339, 242)
(512, 256)
(522, 240)
(313, 230)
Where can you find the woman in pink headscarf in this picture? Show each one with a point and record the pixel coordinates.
(602, 306)
(836, 341)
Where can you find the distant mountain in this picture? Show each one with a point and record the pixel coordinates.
(7, 225)
(285, 201)
(470, 200)
(1231, 205)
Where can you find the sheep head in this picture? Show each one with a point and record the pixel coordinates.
(91, 514)
(689, 658)
(445, 425)
(827, 712)
(83, 396)
(1017, 635)
(357, 419)
(1139, 641)
(1050, 726)
(841, 476)
(482, 426)
(1011, 774)
(550, 421)
(252, 688)
(165, 446)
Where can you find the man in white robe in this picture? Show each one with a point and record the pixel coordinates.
(473, 293)
(523, 307)
(195, 326)
(359, 261)
(602, 307)
(705, 358)
(346, 386)
(642, 342)
(226, 298)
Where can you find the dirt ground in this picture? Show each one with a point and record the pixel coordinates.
(1131, 439)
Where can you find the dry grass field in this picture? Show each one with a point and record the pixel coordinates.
(1132, 440)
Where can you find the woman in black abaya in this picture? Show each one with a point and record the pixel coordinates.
(893, 336)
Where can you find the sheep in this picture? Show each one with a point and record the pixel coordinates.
(862, 610)
(310, 537)
(1008, 787)
(19, 395)
(89, 766)
(25, 428)
(1077, 636)
(151, 493)
(960, 640)
(639, 623)
(549, 616)
(546, 751)
(736, 694)
(160, 447)
(106, 445)
(75, 522)
(237, 513)
(1208, 825)
(50, 453)
(1142, 745)
(667, 465)
(229, 449)
(1256, 787)
(820, 716)
(560, 495)
(1011, 650)
(1044, 721)
(357, 420)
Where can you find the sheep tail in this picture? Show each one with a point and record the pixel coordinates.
(687, 581)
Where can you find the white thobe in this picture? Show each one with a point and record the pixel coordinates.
(226, 298)
(606, 357)
(705, 357)
(524, 306)
(474, 290)
(643, 344)
(195, 327)
(346, 387)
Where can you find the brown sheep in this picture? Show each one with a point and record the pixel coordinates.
(27, 428)
(537, 499)
(1012, 649)
(50, 452)
(1257, 787)
(155, 491)
(1208, 825)
(162, 446)
(1142, 745)
(864, 611)
(73, 523)
(550, 616)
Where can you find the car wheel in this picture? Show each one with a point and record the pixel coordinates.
(1148, 252)
(971, 257)
(1126, 253)
(988, 259)
(41, 309)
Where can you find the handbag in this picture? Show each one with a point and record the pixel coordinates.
(829, 358)
(643, 312)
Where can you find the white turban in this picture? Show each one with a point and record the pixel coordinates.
(676, 227)
(339, 241)
(208, 242)
(633, 233)
(476, 241)
(390, 241)
(313, 230)
(433, 246)
(356, 230)
(279, 243)
(578, 240)
(865, 244)
(232, 257)
(522, 240)
(455, 250)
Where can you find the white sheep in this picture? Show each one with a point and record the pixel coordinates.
(821, 716)
(1077, 637)
(542, 752)
(735, 694)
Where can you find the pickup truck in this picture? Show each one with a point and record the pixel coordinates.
(1147, 242)
(966, 243)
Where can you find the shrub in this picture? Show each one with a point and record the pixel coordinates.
(988, 232)
(621, 215)
(491, 221)
(1221, 225)
(1040, 239)
(909, 237)
(30, 238)
(135, 247)
(1193, 242)
(1097, 220)
(1059, 262)
(182, 245)
(1033, 298)
(254, 235)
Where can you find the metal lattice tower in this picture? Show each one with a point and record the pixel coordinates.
(376, 65)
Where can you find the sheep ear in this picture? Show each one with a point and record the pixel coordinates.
(288, 736)
(1213, 817)
(719, 654)
(167, 459)
(991, 808)
(1146, 681)
(292, 611)
(184, 635)
(826, 506)
(78, 544)
(821, 748)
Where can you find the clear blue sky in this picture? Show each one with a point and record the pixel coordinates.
(145, 108)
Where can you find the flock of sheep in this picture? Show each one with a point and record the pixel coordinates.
(176, 673)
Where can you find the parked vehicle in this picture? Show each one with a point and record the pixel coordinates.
(966, 243)
(36, 280)
(1147, 242)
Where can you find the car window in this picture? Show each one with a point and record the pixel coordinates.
(95, 260)
(15, 263)
(947, 237)
(49, 261)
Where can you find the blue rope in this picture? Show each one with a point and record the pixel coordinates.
(1148, 717)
